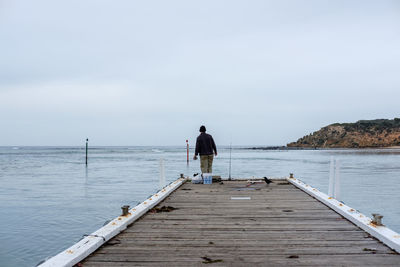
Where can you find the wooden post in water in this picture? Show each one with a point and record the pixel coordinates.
(187, 152)
(87, 140)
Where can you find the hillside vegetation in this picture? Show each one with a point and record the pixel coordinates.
(361, 134)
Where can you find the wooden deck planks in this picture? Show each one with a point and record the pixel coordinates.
(280, 225)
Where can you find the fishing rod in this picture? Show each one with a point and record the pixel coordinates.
(230, 161)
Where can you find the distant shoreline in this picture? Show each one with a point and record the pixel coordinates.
(316, 148)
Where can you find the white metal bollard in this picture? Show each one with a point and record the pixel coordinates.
(337, 181)
(162, 173)
(331, 178)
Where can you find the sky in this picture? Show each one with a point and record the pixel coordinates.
(151, 72)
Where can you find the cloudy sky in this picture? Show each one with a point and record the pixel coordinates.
(151, 72)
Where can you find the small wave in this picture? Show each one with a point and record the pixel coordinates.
(157, 150)
(15, 148)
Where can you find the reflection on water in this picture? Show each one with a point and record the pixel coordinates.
(49, 199)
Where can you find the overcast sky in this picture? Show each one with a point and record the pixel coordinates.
(151, 72)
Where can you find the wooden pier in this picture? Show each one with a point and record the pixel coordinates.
(238, 223)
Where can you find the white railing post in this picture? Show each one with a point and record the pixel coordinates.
(337, 181)
(331, 178)
(162, 173)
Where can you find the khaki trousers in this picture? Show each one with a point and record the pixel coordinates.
(206, 162)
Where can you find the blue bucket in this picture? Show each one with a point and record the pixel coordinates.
(207, 178)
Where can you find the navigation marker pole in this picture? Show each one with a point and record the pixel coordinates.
(187, 152)
(87, 140)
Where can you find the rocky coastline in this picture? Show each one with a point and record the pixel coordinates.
(380, 133)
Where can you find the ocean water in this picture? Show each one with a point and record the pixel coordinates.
(49, 199)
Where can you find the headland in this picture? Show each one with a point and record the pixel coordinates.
(380, 133)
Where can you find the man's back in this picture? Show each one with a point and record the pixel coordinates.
(205, 145)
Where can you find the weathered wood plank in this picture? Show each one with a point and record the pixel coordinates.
(271, 235)
(255, 249)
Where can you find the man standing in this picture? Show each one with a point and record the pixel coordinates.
(205, 146)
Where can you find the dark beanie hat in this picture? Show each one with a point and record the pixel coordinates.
(202, 129)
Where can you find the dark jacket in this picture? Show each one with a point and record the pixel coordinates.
(205, 145)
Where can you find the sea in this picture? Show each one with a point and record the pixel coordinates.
(49, 198)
